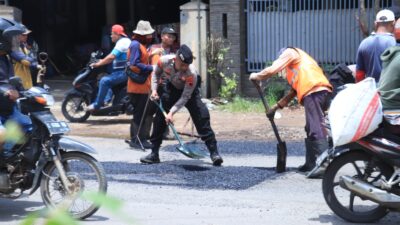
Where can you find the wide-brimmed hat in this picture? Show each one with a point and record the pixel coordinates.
(143, 28)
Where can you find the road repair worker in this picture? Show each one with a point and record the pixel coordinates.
(180, 90)
(139, 77)
(313, 90)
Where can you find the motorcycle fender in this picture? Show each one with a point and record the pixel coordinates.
(38, 174)
(68, 145)
(75, 92)
(71, 145)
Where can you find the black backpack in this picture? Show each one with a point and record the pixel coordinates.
(340, 76)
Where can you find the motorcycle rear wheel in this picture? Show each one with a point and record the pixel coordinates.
(356, 209)
(73, 108)
(85, 173)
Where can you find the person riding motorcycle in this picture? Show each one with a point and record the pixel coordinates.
(118, 57)
(9, 31)
(389, 84)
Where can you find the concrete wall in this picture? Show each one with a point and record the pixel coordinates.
(234, 10)
(193, 33)
(9, 12)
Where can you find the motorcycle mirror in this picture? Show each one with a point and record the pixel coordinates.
(43, 57)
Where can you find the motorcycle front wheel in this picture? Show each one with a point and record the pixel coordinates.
(345, 203)
(85, 174)
(73, 108)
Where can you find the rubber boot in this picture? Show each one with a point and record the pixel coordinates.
(313, 150)
(308, 165)
(151, 158)
(214, 155)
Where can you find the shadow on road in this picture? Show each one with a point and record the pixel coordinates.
(11, 210)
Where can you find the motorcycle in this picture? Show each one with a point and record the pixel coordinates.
(361, 180)
(84, 92)
(61, 167)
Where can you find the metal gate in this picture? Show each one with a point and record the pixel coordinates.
(327, 29)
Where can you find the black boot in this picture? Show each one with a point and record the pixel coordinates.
(313, 150)
(214, 155)
(308, 165)
(151, 158)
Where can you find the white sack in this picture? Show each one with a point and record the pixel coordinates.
(355, 112)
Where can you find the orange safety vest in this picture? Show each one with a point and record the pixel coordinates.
(135, 87)
(305, 75)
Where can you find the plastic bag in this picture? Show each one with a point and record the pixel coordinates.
(355, 112)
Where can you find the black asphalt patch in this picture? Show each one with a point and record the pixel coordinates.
(200, 174)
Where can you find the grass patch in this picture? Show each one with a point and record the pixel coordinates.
(239, 104)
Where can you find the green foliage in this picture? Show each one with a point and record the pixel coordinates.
(228, 88)
(327, 68)
(224, 82)
(216, 50)
(12, 133)
(239, 104)
(275, 90)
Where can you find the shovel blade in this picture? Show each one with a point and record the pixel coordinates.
(281, 157)
(191, 152)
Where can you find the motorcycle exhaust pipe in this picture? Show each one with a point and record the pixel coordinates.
(367, 191)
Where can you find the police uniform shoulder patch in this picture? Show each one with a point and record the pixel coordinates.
(190, 80)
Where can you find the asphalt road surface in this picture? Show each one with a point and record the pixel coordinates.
(245, 190)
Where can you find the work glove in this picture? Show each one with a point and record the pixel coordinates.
(253, 76)
(271, 111)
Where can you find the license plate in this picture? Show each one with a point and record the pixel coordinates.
(57, 127)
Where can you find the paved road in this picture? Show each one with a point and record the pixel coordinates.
(246, 190)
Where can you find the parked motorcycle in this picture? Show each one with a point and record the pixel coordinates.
(361, 180)
(84, 92)
(61, 167)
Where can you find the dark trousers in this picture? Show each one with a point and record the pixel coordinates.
(198, 111)
(139, 102)
(315, 104)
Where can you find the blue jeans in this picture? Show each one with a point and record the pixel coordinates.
(105, 85)
(22, 120)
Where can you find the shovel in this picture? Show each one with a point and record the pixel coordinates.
(281, 146)
(189, 151)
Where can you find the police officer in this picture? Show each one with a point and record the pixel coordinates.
(180, 90)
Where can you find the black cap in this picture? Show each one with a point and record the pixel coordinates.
(168, 30)
(185, 54)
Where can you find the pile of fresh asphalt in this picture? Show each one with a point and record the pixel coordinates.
(200, 174)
